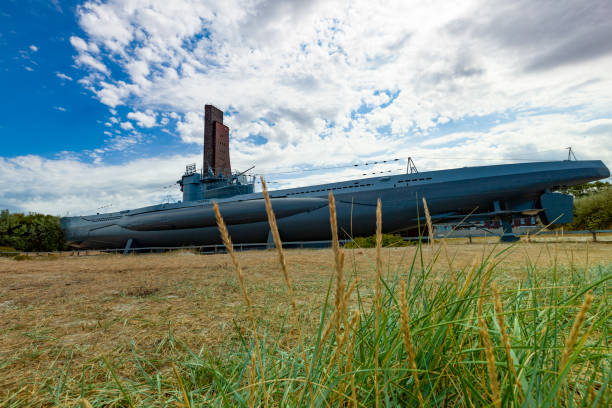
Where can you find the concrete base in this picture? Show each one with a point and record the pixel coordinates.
(508, 238)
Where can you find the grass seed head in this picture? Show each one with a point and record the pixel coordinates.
(429, 223)
(279, 246)
(573, 336)
(338, 261)
(378, 249)
(488, 347)
(227, 241)
(405, 327)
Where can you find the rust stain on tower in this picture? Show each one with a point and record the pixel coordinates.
(216, 142)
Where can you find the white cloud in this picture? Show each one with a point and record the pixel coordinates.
(191, 128)
(112, 94)
(57, 6)
(63, 76)
(30, 69)
(70, 186)
(104, 24)
(145, 120)
(126, 125)
(60, 108)
(33, 48)
(85, 59)
(79, 44)
(314, 61)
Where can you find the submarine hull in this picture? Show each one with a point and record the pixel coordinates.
(303, 214)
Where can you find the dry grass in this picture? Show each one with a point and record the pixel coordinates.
(58, 316)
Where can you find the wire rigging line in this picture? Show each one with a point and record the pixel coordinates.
(291, 170)
(325, 168)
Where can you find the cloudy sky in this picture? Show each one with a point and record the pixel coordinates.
(103, 100)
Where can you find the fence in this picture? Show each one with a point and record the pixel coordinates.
(469, 234)
(203, 249)
(213, 249)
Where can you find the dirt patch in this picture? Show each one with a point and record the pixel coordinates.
(141, 291)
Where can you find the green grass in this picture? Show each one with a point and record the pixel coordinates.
(341, 369)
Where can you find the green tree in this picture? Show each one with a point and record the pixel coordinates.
(583, 190)
(32, 232)
(593, 211)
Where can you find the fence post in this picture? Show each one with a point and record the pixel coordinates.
(594, 236)
(470, 238)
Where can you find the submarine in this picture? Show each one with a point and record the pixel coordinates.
(500, 192)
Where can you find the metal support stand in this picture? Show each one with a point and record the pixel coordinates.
(508, 235)
(270, 243)
(128, 246)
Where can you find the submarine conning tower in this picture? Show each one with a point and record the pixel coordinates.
(216, 179)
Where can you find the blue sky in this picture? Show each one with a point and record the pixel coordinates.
(103, 99)
(50, 113)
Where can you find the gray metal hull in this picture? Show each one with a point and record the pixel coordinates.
(303, 213)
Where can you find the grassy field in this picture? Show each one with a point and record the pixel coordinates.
(113, 329)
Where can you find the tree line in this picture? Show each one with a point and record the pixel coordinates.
(31, 232)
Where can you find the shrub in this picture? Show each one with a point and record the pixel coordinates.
(388, 240)
(7, 249)
(593, 212)
(22, 258)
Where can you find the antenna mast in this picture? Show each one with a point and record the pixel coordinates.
(570, 154)
(411, 167)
